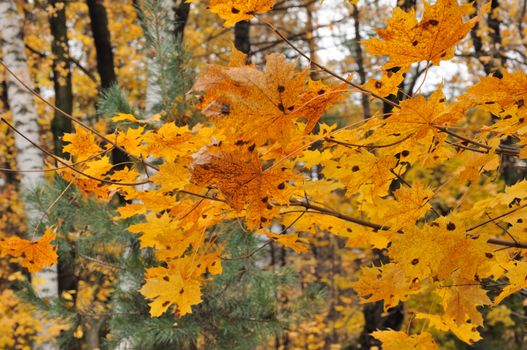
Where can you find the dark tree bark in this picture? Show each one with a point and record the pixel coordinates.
(182, 12)
(103, 44)
(61, 74)
(242, 38)
(359, 58)
(105, 64)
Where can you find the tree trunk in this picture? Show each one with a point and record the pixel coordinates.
(103, 43)
(105, 64)
(242, 36)
(61, 73)
(23, 107)
(182, 12)
(63, 100)
(359, 58)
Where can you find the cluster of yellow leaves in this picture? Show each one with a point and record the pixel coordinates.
(20, 325)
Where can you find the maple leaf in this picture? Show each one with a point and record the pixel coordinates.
(131, 118)
(179, 283)
(290, 240)
(233, 11)
(410, 205)
(500, 95)
(396, 340)
(167, 287)
(389, 83)
(360, 169)
(171, 176)
(277, 97)
(417, 116)
(81, 144)
(239, 176)
(465, 331)
(172, 141)
(433, 38)
(517, 275)
(388, 283)
(35, 254)
(461, 299)
(505, 98)
(131, 140)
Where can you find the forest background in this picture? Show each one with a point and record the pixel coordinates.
(92, 240)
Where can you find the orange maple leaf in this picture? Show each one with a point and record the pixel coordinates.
(35, 254)
(239, 176)
(270, 101)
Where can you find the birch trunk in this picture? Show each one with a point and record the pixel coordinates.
(23, 108)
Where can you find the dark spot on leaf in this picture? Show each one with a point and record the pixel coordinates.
(415, 261)
(450, 226)
(225, 109)
(355, 168)
(235, 10)
(281, 88)
(281, 186)
(378, 84)
(415, 42)
(281, 107)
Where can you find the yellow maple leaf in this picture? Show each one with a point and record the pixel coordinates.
(233, 11)
(433, 38)
(396, 340)
(35, 254)
(179, 283)
(517, 275)
(410, 204)
(466, 331)
(81, 144)
(290, 240)
(388, 283)
(388, 84)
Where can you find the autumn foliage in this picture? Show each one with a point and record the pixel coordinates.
(417, 182)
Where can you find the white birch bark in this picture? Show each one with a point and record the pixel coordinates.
(23, 109)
